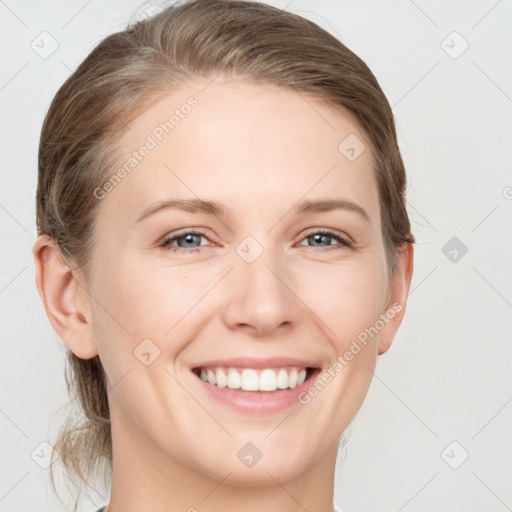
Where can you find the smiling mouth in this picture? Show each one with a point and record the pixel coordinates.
(256, 380)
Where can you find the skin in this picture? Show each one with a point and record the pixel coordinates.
(259, 150)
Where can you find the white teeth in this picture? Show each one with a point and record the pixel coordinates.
(222, 380)
(268, 380)
(233, 379)
(249, 380)
(282, 379)
(292, 378)
(211, 377)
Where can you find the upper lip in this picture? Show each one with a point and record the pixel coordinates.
(258, 363)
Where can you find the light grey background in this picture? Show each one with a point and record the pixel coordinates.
(448, 374)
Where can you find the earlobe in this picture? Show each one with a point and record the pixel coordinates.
(399, 290)
(65, 299)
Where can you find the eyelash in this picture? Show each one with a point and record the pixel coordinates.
(166, 244)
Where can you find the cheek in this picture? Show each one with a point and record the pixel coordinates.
(167, 299)
(346, 297)
(135, 303)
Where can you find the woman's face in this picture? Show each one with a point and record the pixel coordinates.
(273, 282)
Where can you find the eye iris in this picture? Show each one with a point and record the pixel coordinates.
(190, 238)
(318, 237)
(187, 239)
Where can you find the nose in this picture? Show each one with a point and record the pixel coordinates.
(260, 300)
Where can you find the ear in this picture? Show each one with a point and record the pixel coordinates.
(397, 297)
(65, 298)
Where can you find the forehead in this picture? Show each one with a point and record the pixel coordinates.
(246, 144)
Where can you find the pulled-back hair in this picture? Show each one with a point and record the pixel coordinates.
(129, 71)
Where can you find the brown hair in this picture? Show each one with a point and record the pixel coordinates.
(123, 76)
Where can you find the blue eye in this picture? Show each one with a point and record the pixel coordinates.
(327, 236)
(190, 241)
(185, 241)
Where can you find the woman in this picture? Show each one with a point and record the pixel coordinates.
(225, 250)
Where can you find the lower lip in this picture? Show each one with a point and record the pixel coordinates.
(257, 401)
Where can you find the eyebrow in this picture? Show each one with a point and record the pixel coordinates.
(188, 205)
(219, 210)
(326, 205)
